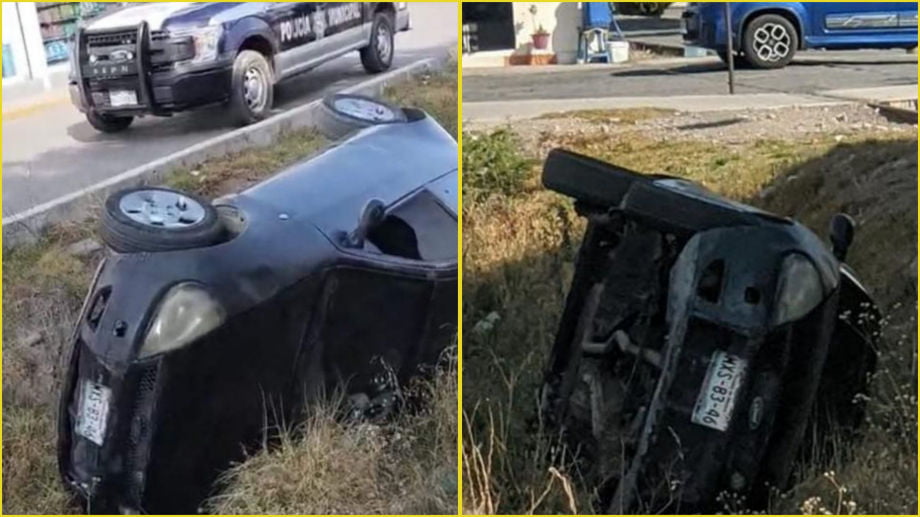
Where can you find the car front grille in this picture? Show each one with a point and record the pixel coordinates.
(140, 431)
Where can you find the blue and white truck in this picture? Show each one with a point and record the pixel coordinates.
(162, 58)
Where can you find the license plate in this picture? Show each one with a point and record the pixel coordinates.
(716, 400)
(93, 413)
(122, 98)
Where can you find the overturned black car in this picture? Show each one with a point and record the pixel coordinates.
(206, 324)
(700, 340)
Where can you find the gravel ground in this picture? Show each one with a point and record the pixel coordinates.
(729, 127)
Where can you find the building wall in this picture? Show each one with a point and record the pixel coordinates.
(561, 19)
(24, 39)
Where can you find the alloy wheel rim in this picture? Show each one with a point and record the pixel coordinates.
(772, 42)
(254, 88)
(364, 109)
(383, 42)
(161, 209)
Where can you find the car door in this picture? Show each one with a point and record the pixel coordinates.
(855, 24)
(392, 304)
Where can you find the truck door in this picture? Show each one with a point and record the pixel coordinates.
(310, 33)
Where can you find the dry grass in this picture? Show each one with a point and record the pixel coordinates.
(519, 249)
(615, 116)
(44, 286)
(407, 466)
(435, 93)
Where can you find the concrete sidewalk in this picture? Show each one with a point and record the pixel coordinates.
(493, 111)
(27, 96)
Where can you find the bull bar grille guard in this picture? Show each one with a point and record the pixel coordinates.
(141, 61)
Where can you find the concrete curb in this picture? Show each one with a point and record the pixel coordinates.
(27, 226)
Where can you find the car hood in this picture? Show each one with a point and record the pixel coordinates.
(160, 15)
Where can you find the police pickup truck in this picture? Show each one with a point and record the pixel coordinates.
(161, 58)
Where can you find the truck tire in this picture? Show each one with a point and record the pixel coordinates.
(769, 41)
(252, 90)
(377, 56)
(150, 219)
(108, 123)
(343, 114)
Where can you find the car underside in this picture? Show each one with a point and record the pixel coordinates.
(692, 353)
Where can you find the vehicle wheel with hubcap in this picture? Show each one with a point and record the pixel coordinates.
(252, 90)
(378, 55)
(144, 219)
(769, 41)
(343, 114)
(108, 123)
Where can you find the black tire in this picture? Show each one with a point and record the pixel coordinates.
(108, 123)
(377, 56)
(251, 68)
(126, 235)
(335, 124)
(779, 46)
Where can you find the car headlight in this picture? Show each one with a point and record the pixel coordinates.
(799, 289)
(205, 40)
(186, 313)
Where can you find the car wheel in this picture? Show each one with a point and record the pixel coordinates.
(378, 55)
(343, 114)
(769, 41)
(252, 89)
(108, 123)
(146, 219)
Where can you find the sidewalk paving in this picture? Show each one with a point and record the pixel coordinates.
(493, 111)
(31, 95)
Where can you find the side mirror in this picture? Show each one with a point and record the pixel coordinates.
(373, 214)
(843, 228)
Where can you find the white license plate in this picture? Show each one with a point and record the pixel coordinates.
(716, 400)
(122, 98)
(94, 411)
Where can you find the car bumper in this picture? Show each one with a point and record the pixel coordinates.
(170, 91)
(403, 19)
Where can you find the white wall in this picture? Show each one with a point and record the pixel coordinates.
(13, 35)
(561, 19)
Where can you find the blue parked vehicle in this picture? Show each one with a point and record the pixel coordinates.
(767, 34)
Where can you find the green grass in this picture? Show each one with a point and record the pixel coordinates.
(519, 248)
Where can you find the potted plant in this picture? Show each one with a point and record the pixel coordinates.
(540, 36)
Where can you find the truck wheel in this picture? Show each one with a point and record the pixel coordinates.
(343, 114)
(378, 55)
(108, 123)
(252, 89)
(769, 41)
(146, 219)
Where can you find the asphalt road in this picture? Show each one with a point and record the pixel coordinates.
(810, 73)
(54, 151)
